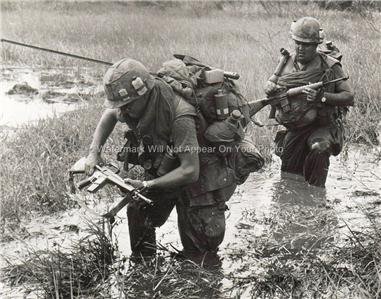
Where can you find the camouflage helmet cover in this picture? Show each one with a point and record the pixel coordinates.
(126, 81)
(307, 30)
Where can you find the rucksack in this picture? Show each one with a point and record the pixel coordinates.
(222, 110)
(206, 88)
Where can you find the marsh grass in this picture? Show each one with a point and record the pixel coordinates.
(308, 264)
(244, 37)
(66, 272)
(351, 271)
(168, 278)
(36, 160)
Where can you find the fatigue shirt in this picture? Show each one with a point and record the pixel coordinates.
(214, 175)
(326, 114)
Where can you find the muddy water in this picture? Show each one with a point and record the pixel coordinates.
(44, 93)
(284, 211)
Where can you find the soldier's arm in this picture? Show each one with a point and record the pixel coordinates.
(185, 141)
(343, 95)
(103, 130)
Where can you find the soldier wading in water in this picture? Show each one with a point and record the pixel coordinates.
(313, 119)
(158, 117)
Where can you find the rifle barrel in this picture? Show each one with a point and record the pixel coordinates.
(337, 80)
(3, 40)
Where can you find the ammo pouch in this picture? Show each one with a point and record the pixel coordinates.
(245, 160)
(130, 150)
(169, 162)
(327, 115)
(224, 132)
(214, 175)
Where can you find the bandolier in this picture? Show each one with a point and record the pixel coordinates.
(314, 127)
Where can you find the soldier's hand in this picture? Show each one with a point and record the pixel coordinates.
(91, 161)
(271, 88)
(137, 184)
(313, 95)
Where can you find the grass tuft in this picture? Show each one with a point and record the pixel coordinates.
(65, 273)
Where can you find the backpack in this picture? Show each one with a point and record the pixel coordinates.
(213, 93)
(222, 111)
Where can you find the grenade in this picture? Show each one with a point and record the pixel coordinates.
(235, 117)
(222, 108)
(226, 131)
(145, 161)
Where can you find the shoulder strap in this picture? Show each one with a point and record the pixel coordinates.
(329, 60)
(183, 108)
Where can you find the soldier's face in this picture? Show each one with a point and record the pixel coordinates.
(134, 109)
(305, 52)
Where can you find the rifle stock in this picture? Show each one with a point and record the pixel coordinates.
(257, 105)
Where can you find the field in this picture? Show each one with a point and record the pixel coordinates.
(244, 37)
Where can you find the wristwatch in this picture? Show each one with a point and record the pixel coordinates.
(323, 99)
(147, 184)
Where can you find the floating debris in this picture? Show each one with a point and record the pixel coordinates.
(53, 97)
(23, 89)
(365, 193)
(48, 95)
(57, 79)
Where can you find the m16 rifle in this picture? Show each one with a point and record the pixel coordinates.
(103, 175)
(282, 98)
(187, 59)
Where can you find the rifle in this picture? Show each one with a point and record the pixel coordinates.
(3, 40)
(103, 175)
(189, 60)
(185, 58)
(257, 105)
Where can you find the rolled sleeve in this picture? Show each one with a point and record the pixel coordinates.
(341, 85)
(185, 135)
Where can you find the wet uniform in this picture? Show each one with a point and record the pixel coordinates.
(200, 206)
(311, 123)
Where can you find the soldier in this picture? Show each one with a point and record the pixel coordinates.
(198, 185)
(313, 119)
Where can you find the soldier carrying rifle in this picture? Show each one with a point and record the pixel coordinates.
(313, 117)
(176, 174)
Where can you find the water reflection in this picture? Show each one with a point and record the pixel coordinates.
(302, 218)
(21, 108)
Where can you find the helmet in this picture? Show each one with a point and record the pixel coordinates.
(307, 30)
(126, 81)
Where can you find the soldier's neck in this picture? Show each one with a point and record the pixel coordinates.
(314, 63)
